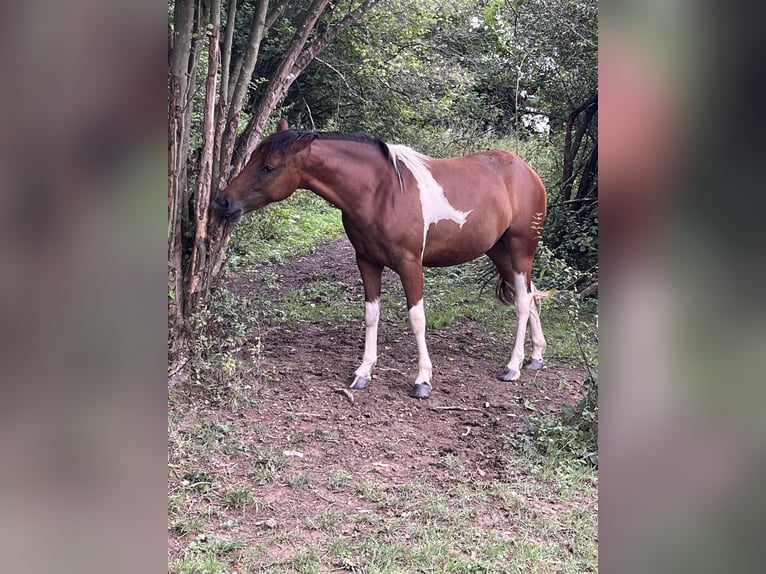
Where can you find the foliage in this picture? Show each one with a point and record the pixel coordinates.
(224, 349)
(571, 436)
(289, 228)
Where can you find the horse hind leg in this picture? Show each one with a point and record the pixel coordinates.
(536, 330)
(518, 290)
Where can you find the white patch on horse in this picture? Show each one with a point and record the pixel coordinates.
(434, 204)
(418, 323)
(371, 317)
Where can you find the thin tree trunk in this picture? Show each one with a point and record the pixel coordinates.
(239, 93)
(183, 18)
(204, 179)
(588, 174)
(226, 51)
(572, 142)
(223, 101)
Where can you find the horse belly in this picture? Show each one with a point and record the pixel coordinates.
(448, 244)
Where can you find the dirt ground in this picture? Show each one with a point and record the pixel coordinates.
(305, 408)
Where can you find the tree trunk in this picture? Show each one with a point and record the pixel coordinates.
(223, 100)
(588, 175)
(180, 54)
(239, 94)
(205, 176)
(572, 142)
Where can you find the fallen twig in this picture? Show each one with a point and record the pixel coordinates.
(455, 408)
(346, 393)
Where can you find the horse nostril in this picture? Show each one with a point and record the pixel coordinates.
(222, 203)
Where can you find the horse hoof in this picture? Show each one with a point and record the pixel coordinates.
(534, 365)
(360, 381)
(509, 375)
(420, 391)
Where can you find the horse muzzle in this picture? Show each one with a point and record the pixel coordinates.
(228, 210)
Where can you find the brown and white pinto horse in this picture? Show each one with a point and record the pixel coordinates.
(404, 210)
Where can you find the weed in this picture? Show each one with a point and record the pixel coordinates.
(306, 561)
(571, 436)
(187, 525)
(452, 462)
(267, 465)
(369, 491)
(338, 479)
(209, 544)
(327, 520)
(298, 480)
(197, 565)
(326, 436)
(197, 480)
(238, 498)
(224, 350)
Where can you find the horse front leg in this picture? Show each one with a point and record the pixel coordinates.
(371, 275)
(412, 281)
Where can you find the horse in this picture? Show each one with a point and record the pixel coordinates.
(406, 211)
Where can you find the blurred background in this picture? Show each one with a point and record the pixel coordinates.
(83, 171)
(681, 442)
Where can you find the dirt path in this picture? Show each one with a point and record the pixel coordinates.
(306, 367)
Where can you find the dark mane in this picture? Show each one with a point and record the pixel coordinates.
(280, 142)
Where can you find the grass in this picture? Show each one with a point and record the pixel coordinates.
(291, 227)
(533, 520)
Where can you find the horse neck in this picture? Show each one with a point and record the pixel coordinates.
(343, 171)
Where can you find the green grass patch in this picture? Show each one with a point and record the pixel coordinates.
(239, 498)
(282, 230)
(338, 479)
(267, 465)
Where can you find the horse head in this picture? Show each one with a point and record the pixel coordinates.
(272, 174)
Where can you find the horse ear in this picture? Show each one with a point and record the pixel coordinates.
(301, 143)
(282, 125)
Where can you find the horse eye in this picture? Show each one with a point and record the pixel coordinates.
(267, 168)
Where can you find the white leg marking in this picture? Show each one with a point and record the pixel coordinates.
(523, 302)
(370, 357)
(538, 339)
(418, 323)
(433, 202)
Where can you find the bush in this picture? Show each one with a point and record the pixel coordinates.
(224, 349)
(571, 436)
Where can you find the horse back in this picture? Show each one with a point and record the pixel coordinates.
(497, 179)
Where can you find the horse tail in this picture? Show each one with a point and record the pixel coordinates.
(506, 293)
(540, 296)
